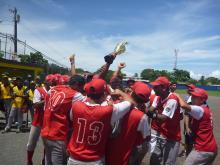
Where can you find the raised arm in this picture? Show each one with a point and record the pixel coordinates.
(101, 72)
(117, 72)
(183, 104)
(72, 64)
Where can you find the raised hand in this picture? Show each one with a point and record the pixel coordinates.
(121, 65)
(72, 58)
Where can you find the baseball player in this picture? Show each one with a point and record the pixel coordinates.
(134, 129)
(40, 94)
(167, 124)
(187, 122)
(92, 123)
(30, 94)
(205, 146)
(55, 126)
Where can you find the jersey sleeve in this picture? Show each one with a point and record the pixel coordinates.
(78, 97)
(196, 112)
(189, 100)
(37, 96)
(143, 127)
(119, 110)
(170, 108)
(155, 102)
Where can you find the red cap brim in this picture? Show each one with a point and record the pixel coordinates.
(154, 83)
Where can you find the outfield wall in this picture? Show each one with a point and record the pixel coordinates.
(206, 87)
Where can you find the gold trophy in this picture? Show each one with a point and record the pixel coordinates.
(120, 47)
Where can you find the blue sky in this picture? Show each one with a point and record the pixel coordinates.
(91, 29)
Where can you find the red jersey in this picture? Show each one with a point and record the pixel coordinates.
(170, 128)
(57, 107)
(203, 129)
(119, 148)
(152, 97)
(39, 112)
(91, 129)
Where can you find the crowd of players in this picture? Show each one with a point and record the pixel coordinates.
(83, 120)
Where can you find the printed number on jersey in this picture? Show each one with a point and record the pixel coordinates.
(56, 100)
(94, 131)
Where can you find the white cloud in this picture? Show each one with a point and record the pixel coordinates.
(43, 25)
(196, 76)
(215, 73)
(145, 50)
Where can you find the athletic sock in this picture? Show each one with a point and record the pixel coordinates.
(29, 157)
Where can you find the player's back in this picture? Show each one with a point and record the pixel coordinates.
(119, 148)
(92, 126)
(57, 107)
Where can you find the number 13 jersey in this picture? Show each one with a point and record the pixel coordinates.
(91, 128)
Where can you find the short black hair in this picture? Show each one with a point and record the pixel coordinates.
(77, 79)
(137, 98)
(89, 77)
(173, 82)
(95, 96)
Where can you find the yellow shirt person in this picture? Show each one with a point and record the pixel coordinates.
(18, 100)
(5, 91)
(30, 94)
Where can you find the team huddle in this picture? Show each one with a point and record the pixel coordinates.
(83, 120)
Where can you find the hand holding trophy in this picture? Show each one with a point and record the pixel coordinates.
(72, 58)
(120, 47)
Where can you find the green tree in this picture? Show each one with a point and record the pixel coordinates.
(182, 75)
(213, 80)
(34, 58)
(37, 58)
(109, 75)
(202, 81)
(192, 81)
(79, 71)
(53, 68)
(24, 58)
(1, 54)
(148, 74)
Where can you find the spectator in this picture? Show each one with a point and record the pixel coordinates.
(18, 100)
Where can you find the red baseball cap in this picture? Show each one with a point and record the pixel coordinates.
(190, 87)
(142, 90)
(49, 78)
(161, 81)
(95, 86)
(63, 79)
(199, 92)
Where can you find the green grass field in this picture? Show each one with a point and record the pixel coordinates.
(211, 93)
